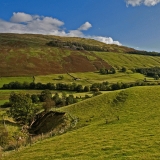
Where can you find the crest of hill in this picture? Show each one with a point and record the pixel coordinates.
(26, 40)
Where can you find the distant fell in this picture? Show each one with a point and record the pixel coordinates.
(33, 54)
(29, 54)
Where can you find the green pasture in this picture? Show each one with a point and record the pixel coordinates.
(6, 80)
(88, 78)
(119, 60)
(134, 136)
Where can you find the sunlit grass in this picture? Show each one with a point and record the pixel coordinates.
(119, 60)
(134, 136)
(6, 80)
(88, 78)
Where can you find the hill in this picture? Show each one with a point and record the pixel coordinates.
(29, 54)
(116, 125)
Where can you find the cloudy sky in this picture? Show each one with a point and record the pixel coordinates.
(133, 23)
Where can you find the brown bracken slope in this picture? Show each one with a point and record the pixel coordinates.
(29, 54)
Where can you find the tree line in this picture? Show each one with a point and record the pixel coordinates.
(50, 86)
(147, 53)
(150, 72)
(76, 46)
(104, 86)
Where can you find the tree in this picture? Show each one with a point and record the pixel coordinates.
(103, 71)
(48, 104)
(70, 100)
(22, 109)
(112, 70)
(46, 94)
(79, 88)
(50, 86)
(35, 98)
(57, 99)
(124, 69)
(156, 77)
(86, 89)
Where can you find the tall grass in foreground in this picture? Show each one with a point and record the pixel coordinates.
(134, 136)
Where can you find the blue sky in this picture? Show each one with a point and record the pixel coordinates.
(133, 23)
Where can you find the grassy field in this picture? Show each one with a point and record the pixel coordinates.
(88, 78)
(6, 80)
(85, 78)
(134, 136)
(119, 60)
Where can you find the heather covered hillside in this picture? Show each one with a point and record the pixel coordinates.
(29, 54)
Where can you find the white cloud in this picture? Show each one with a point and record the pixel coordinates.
(107, 40)
(21, 17)
(145, 2)
(75, 33)
(85, 26)
(78, 32)
(52, 21)
(35, 24)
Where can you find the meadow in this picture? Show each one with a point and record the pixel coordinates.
(85, 79)
(134, 136)
(119, 60)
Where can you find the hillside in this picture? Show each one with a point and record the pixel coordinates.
(23, 54)
(30, 55)
(100, 134)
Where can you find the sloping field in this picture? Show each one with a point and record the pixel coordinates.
(119, 60)
(99, 133)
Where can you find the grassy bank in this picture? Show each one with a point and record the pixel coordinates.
(134, 136)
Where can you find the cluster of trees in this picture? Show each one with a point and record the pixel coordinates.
(45, 96)
(76, 45)
(107, 71)
(111, 71)
(105, 86)
(150, 72)
(147, 53)
(24, 107)
(50, 86)
(21, 109)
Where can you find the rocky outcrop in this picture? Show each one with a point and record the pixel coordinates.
(51, 121)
